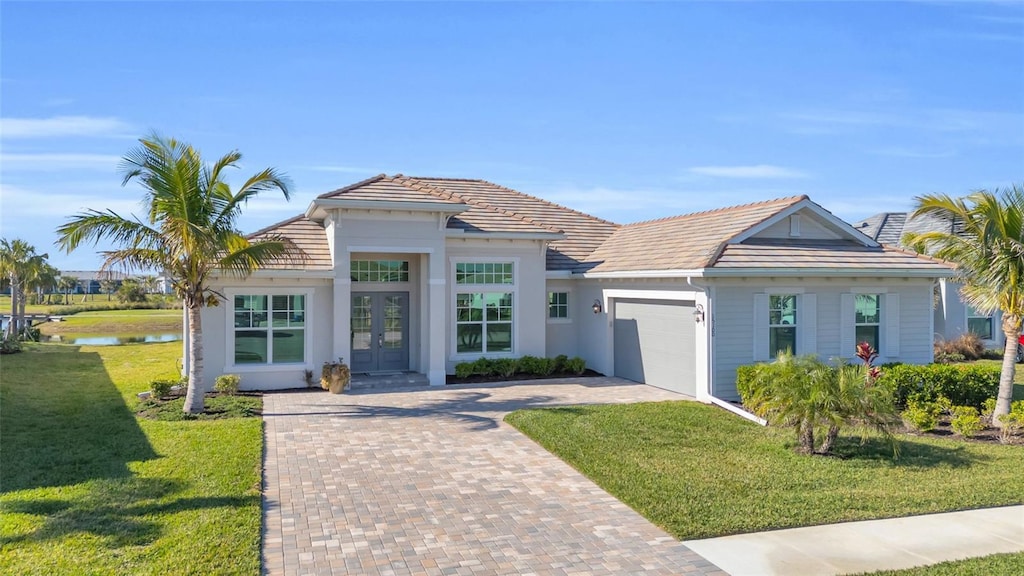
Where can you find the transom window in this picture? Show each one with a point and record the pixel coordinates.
(979, 323)
(558, 304)
(379, 270)
(270, 329)
(484, 273)
(868, 318)
(781, 324)
(483, 322)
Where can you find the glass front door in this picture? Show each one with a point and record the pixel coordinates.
(380, 331)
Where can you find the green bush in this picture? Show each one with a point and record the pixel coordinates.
(10, 346)
(962, 385)
(162, 388)
(504, 367)
(966, 421)
(227, 383)
(576, 365)
(922, 415)
(987, 409)
(530, 365)
(1012, 422)
(558, 363)
(463, 369)
(483, 367)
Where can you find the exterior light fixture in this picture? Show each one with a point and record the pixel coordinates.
(597, 307)
(698, 314)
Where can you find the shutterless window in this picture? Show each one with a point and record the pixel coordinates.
(270, 329)
(558, 304)
(868, 318)
(483, 322)
(484, 273)
(980, 324)
(379, 270)
(781, 324)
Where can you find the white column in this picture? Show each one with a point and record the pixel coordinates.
(342, 321)
(438, 319)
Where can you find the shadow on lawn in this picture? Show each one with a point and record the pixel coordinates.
(113, 510)
(911, 454)
(64, 422)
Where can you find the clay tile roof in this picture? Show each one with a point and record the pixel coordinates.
(305, 245)
(687, 242)
(822, 254)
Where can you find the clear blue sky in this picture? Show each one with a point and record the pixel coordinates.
(628, 111)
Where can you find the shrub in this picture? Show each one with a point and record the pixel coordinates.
(227, 383)
(547, 366)
(463, 369)
(530, 365)
(962, 385)
(968, 345)
(966, 421)
(131, 291)
(921, 415)
(558, 364)
(483, 367)
(162, 388)
(948, 357)
(10, 345)
(987, 409)
(504, 367)
(1012, 422)
(576, 365)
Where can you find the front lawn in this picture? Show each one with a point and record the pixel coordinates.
(698, 471)
(984, 566)
(86, 487)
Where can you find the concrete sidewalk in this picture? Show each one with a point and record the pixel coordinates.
(854, 547)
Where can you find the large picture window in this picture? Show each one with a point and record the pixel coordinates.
(868, 318)
(270, 329)
(483, 322)
(782, 322)
(979, 323)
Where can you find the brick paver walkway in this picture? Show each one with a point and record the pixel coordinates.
(433, 482)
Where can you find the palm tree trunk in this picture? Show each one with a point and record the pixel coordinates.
(12, 326)
(830, 439)
(22, 301)
(195, 395)
(1011, 329)
(806, 436)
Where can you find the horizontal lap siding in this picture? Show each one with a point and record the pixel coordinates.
(733, 338)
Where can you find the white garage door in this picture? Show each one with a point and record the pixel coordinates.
(654, 343)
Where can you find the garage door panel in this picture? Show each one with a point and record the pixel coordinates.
(654, 343)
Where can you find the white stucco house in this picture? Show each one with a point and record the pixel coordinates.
(953, 316)
(400, 273)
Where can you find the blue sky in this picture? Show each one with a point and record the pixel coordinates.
(629, 111)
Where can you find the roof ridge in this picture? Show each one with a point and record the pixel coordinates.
(352, 186)
(284, 222)
(550, 203)
(789, 201)
(438, 190)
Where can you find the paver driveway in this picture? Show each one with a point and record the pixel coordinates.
(433, 482)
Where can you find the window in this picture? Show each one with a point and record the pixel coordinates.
(868, 318)
(270, 329)
(483, 322)
(379, 270)
(484, 273)
(781, 324)
(980, 324)
(558, 304)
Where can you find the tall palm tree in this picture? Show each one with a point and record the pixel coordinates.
(67, 285)
(989, 254)
(18, 261)
(189, 230)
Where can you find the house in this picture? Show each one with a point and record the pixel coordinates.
(91, 281)
(953, 316)
(399, 273)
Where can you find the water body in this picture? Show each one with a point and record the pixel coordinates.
(114, 339)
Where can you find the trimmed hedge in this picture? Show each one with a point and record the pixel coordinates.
(530, 365)
(962, 385)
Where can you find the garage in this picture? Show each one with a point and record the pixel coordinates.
(654, 343)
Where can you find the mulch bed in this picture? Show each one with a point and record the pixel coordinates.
(990, 435)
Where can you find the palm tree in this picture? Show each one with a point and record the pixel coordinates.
(44, 282)
(67, 285)
(108, 286)
(189, 230)
(989, 254)
(18, 262)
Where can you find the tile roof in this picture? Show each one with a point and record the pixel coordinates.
(493, 208)
(305, 245)
(889, 227)
(688, 242)
(821, 255)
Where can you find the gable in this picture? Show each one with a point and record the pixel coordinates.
(803, 224)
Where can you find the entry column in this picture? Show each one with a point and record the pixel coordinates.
(342, 308)
(438, 318)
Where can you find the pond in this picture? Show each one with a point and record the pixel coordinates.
(113, 339)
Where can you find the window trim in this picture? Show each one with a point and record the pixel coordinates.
(456, 289)
(880, 325)
(229, 322)
(567, 319)
(772, 354)
(407, 271)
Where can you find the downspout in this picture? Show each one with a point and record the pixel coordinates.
(709, 319)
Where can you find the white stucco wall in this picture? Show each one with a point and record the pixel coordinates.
(561, 332)
(217, 321)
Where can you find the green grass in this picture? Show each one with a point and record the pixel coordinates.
(216, 408)
(116, 322)
(698, 471)
(984, 566)
(86, 487)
